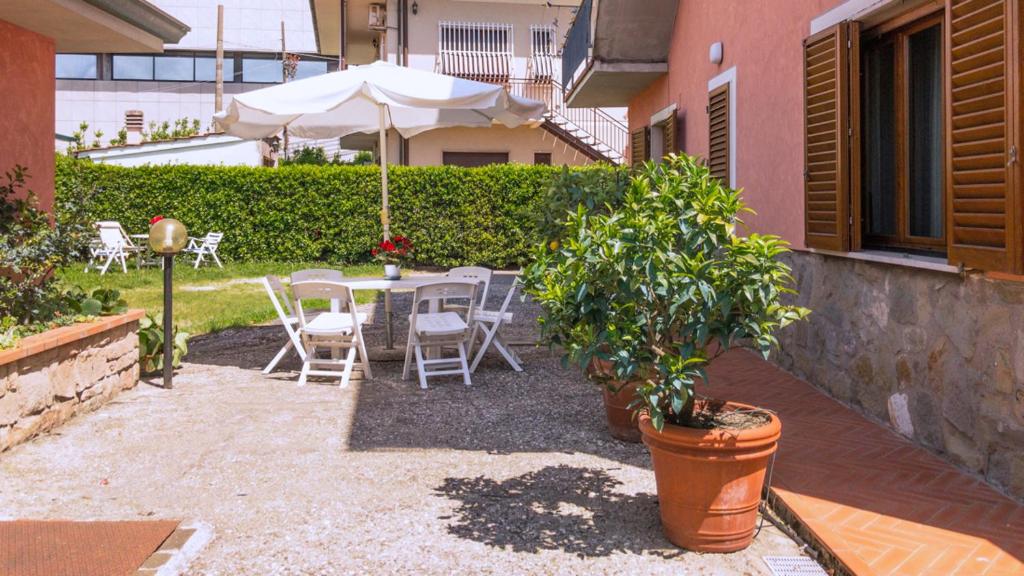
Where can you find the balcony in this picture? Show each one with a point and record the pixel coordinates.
(614, 50)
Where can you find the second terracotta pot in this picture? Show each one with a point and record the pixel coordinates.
(622, 425)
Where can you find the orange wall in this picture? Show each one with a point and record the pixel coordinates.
(27, 94)
(763, 40)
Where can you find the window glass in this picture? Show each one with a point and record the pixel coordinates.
(173, 68)
(265, 70)
(308, 68)
(925, 133)
(878, 171)
(133, 67)
(206, 69)
(76, 66)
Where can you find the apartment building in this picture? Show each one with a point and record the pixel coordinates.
(510, 42)
(100, 87)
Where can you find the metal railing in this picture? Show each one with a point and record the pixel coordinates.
(592, 126)
(577, 43)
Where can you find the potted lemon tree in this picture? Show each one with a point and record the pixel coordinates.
(657, 289)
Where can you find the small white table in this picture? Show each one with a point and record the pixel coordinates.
(377, 283)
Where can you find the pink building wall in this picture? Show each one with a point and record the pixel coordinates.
(27, 88)
(762, 39)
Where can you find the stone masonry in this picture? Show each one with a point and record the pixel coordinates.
(79, 369)
(938, 356)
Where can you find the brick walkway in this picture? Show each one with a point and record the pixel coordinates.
(57, 548)
(879, 503)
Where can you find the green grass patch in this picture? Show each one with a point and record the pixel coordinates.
(208, 299)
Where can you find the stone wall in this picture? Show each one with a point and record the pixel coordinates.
(51, 377)
(938, 356)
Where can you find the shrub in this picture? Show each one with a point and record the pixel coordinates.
(663, 284)
(456, 216)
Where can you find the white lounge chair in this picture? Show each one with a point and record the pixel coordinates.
(439, 329)
(334, 331)
(205, 246)
(488, 322)
(286, 314)
(114, 244)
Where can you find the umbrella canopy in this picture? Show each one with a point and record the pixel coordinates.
(374, 98)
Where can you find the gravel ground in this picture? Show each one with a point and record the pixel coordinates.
(515, 475)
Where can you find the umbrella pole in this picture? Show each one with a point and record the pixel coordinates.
(385, 214)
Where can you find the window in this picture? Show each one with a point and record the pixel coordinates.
(473, 159)
(206, 68)
(543, 51)
(543, 158)
(263, 70)
(902, 143)
(899, 156)
(133, 67)
(77, 66)
(178, 68)
(309, 68)
(479, 51)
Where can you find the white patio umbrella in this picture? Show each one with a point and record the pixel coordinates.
(374, 98)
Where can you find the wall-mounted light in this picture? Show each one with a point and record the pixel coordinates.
(415, 7)
(715, 53)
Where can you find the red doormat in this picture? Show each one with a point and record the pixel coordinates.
(59, 548)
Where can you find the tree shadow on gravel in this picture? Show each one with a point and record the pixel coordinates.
(572, 509)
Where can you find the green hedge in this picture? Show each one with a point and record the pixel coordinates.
(456, 216)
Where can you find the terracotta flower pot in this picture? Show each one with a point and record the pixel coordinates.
(709, 481)
(621, 423)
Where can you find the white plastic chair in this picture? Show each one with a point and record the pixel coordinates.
(439, 329)
(114, 245)
(331, 330)
(286, 314)
(323, 275)
(477, 274)
(205, 246)
(489, 323)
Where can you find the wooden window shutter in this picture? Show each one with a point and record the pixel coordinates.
(718, 133)
(982, 197)
(668, 135)
(638, 146)
(827, 131)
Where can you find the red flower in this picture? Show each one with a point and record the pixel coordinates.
(400, 239)
(373, 252)
(155, 219)
(388, 246)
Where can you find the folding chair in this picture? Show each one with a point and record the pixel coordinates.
(205, 246)
(289, 320)
(323, 275)
(331, 330)
(489, 323)
(113, 246)
(439, 329)
(477, 274)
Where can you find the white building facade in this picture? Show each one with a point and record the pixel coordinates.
(180, 83)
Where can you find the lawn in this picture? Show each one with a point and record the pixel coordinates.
(208, 299)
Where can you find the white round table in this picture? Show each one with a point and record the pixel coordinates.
(379, 283)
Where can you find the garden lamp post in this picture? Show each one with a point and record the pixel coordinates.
(167, 237)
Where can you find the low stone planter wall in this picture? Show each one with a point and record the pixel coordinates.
(50, 377)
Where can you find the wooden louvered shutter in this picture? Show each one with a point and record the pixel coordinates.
(718, 133)
(668, 135)
(638, 147)
(826, 138)
(982, 200)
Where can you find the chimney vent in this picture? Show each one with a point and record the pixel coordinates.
(133, 124)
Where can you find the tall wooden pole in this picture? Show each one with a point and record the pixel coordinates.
(218, 95)
(284, 78)
(343, 36)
